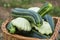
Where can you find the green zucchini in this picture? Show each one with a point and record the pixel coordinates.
(50, 20)
(47, 7)
(11, 28)
(38, 35)
(31, 19)
(25, 12)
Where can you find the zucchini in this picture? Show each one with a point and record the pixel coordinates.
(36, 34)
(11, 28)
(31, 19)
(47, 7)
(32, 33)
(24, 12)
(50, 20)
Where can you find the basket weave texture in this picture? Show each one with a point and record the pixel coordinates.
(8, 36)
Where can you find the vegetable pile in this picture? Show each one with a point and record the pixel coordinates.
(32, 22)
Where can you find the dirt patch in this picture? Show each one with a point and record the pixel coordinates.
(4, 13)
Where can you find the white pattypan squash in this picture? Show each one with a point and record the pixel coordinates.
(21, 24)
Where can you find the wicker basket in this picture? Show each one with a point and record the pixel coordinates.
(8, 36)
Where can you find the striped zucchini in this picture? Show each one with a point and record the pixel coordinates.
(31, 19)
(47, 7)
(31, 14)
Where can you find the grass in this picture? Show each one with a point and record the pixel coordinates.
(56, 11)
(19, 3)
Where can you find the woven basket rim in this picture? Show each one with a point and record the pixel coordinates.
(4, 30)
